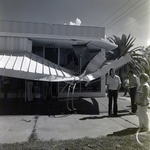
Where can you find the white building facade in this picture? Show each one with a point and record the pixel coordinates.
(70, 47)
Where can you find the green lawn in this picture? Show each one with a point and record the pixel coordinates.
(124, 142)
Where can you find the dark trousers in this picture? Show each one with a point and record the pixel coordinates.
(112, 95)
(132, 96)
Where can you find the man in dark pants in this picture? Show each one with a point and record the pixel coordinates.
(133, 85)
(113, 86)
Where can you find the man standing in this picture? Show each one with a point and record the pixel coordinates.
(113, 86)
(133, 85)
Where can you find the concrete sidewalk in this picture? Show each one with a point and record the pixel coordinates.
(19, 128)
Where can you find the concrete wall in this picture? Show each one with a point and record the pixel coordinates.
(15, 44)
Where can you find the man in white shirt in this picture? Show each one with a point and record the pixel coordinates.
(113, 86)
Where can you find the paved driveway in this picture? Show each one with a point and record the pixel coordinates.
(61, 126)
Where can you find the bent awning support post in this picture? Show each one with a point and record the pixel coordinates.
(72, 96)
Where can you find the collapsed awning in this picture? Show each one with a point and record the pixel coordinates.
(106, 67)
(62, 42)
(27, 65)
(96, 63)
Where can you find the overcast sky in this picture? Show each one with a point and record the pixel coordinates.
(117, 16)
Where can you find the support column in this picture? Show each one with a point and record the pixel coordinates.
(103, 79)
(58, 64)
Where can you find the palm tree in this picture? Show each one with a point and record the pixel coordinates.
(124, 44)
(139, 61)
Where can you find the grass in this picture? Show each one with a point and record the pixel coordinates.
(127, 142)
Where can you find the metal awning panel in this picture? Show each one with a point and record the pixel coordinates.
(11, 62)
(27, 65)
(39, 66)
(96, 62)
(46, 70)
(4, 61)
(59, 73)
(106, 67)
(66, 74)
(53, 71)
(33, 65)
(103, 43)
(18, 63)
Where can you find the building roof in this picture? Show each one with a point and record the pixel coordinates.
(63, 36)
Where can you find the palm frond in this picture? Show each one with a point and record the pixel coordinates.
(130, 42)
(141, 60)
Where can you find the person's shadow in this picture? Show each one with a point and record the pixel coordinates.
(128, 131)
